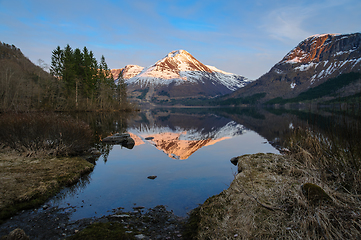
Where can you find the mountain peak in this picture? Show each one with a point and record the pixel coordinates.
(176, 52)
(323, 35)
(318, 48)
(176, 62)
(180, 75)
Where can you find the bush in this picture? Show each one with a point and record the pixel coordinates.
(42, 133)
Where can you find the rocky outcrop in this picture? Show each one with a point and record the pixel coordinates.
(270, 199)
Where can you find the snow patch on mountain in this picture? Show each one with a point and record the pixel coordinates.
(305, 67)
(322, 35)
(214, 69)
(178, 67)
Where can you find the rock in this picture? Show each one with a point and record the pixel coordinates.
(314, 193)
(17, 234)
(95, 152)
(253, 198)
(234, 161)
(130, 143)
(139, 236)
(149, 138)
(152, 177)
(120, 215)
(122, 135)
(123, 139)
(138, 208)
(285, 151)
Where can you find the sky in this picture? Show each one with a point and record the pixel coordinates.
(245, 37)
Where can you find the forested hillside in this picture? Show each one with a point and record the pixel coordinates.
(77, 82)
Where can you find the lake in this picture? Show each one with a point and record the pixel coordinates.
(188, 150)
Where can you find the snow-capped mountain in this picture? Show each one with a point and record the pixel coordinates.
(312, 62)
(324, 56)
(180, 75)
(131, 71)
(127, 72)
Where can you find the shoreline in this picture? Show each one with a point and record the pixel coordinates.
(30, 182)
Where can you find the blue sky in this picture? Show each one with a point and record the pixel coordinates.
(243, 37)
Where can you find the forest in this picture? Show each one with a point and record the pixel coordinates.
(77, 81)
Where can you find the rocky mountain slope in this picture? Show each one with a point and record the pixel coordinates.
(179, 75)
(314, 61)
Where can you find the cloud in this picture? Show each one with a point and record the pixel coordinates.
(286, 23)
(298, 20)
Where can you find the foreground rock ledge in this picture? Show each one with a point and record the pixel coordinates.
(265, 201)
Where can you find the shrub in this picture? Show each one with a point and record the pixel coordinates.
(42, 133)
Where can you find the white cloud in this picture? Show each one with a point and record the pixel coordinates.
(299, 20)
(286, 23)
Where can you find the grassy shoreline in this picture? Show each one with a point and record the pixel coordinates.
(29, 182)
(311, 192)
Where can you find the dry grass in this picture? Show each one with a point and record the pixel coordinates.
(30, 181)
(265, 201)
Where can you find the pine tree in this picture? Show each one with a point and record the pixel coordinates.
(68, 69)
(56, 68)
(86, 79)
(122, 90)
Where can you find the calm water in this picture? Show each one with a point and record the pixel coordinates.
(189, 152)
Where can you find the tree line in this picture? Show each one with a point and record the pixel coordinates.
(87, 81)
(77, 81)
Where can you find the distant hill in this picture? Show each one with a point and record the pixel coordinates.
(179, 76)
(22, 82)
(304, 73)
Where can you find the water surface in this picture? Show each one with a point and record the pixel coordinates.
(189, 152)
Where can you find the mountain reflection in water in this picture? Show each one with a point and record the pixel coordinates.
(180, 143)
(204, 140)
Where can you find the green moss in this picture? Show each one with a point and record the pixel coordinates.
(192, 225)
(109, 230)
(314, 193)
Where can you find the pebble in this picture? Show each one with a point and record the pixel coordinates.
(121, 215)
(155, 223)
(139, 236)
